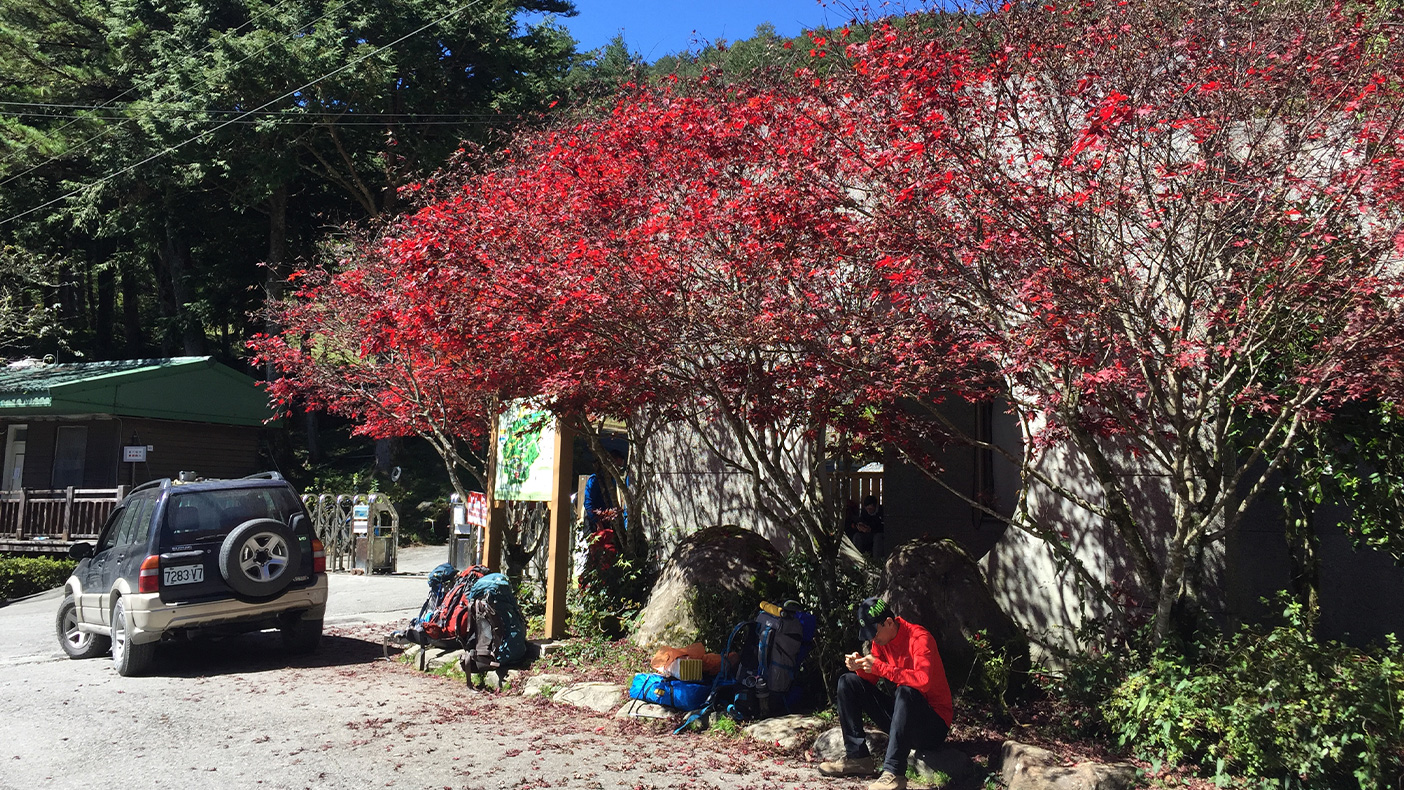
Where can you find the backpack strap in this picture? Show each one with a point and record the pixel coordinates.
(718, 682)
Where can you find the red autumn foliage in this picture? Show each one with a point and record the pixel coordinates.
(1167, 237)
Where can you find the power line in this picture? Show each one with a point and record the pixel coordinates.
(269, 103)
(370, 119)
(177, 108)
(108, 130)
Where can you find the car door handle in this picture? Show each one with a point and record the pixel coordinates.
(182, 555)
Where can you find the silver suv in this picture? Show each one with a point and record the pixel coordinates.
(180, 558)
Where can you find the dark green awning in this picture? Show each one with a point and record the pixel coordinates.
(195, 389)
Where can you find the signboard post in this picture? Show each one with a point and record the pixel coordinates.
(559, 560)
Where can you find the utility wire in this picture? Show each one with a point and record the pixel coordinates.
(182, 107)
(108, 130)
(369, 120)
(269, 103)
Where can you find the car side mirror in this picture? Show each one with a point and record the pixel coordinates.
(80, 551)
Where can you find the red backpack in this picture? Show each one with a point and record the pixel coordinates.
(449, 621)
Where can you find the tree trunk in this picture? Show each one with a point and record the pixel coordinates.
(175, 261)
(1303, 547)
(106, 310)
(132, 342)
(314, 445)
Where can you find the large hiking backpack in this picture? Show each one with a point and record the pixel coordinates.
(440, 581)
(494, 629)
(447, 620)
(763, 683)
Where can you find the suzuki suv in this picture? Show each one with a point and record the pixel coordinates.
(178, 558)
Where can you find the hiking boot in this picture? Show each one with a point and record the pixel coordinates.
(849, 766)
(889, 781)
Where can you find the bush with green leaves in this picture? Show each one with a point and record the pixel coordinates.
(828, 591)
(1277, 708)
(21, 576)
(610, 594)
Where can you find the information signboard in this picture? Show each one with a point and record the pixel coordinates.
(526, 451)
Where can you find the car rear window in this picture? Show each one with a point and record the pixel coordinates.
(209, 515)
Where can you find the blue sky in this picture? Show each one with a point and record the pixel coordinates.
(654, 29)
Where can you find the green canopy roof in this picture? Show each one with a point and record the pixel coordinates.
(196, 389)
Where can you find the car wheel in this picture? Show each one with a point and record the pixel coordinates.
(260, 557)
(77, 644)
(301, 636)
(129, 658)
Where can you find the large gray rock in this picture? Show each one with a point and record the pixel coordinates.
(935, 584)
(638, 709)
(829, 744)
(538, 684)
(438, 659)
(1031, 768)
(717, 577)
(786, 732)
(944, 767)
(599, 697)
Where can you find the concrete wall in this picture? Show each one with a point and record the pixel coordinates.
(688, 487)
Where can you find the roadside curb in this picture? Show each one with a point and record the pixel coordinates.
(24, 598)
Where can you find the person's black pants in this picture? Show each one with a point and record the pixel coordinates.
(907, 718)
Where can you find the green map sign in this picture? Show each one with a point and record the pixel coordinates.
(526, 451)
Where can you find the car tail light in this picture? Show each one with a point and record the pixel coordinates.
(319, 557)
(150, 576)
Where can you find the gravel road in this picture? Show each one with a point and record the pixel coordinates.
(239, 713)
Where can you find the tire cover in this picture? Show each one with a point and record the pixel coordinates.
(260, 557)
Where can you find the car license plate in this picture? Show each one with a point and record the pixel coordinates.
(183, 574)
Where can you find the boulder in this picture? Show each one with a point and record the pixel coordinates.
(786, 732)
(935, 584)
(715, 579)
(438, 659)
(829, 744)
(537, 684)
(638, 709)
(943, 767)
(1031, 768)
(599, 697)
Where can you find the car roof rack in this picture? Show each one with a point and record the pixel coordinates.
(161, 483)
(263, 476)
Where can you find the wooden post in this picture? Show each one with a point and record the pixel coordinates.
(558, 561)
(68, 514)
(491, 549)
(23, 514)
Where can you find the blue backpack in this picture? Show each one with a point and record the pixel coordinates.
(772, 648)
(440, 580)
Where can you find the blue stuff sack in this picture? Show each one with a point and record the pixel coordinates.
(670, 693)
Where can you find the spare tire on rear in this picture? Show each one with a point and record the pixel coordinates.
(260, 557)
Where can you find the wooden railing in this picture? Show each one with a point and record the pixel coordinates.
(40, 516)
(859, 485)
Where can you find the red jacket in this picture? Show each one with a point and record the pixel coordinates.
(911, 659)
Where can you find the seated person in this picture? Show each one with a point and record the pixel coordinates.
(865, 524)
(917, 716)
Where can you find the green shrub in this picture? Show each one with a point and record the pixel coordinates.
(1278, 708)
(828, 591)
(21, 576)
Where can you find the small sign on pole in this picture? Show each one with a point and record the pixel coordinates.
(134, 454)
(360, 518)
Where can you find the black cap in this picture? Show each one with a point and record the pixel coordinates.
(871, 613)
